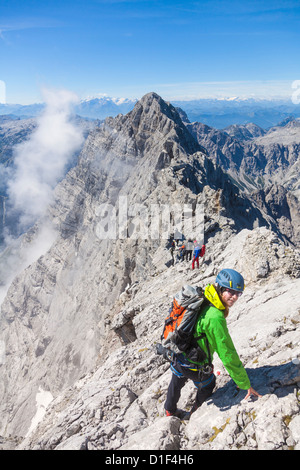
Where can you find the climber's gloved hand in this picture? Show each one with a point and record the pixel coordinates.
(166, 353)
(160, 349)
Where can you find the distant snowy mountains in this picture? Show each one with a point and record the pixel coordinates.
(223, 113)
(212, 112)
(100, 108)
(91, 108)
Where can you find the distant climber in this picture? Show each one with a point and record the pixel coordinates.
(198, 253)
(212, 336)
(189, 250)
(172, 249)
(182, 252)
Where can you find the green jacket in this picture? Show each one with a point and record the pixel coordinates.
(213, 323)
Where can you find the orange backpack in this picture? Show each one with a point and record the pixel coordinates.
(179, 325)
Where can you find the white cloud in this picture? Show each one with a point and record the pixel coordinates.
(40, 162)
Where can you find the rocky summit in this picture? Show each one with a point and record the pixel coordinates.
(79, 324)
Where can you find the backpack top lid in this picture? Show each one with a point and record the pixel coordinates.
(188, 294)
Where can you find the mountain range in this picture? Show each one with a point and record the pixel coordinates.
(80, 321)
(218, 113)
(93, 108)
(254, 158)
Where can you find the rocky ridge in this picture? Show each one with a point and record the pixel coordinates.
(264, 164)
(120, 404)
(94, 306)
(265, 157)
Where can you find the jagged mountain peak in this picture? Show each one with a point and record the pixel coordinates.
(155, 119)
(152, 134)
(153, 103)
(150, 138)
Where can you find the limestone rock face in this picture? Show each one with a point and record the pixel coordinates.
(79, 325)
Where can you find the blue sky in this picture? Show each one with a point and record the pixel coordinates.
(180, 49)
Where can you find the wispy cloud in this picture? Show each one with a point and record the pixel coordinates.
(40, 162)
(226, 89)
(15, 24)
(18, 24)
(185, 91)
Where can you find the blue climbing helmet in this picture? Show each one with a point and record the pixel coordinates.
(231, 279)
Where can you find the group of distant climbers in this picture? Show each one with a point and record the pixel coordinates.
(189, 251)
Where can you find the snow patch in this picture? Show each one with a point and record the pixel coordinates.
(43, 399)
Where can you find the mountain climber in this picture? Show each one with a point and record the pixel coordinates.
(196, 255)
(222, 295)
(182, 252)
(189, 249)
(172, 249)
(198, 252)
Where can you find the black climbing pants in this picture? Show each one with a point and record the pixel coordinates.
(180, 375)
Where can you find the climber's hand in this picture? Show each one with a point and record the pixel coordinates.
(251, 391)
